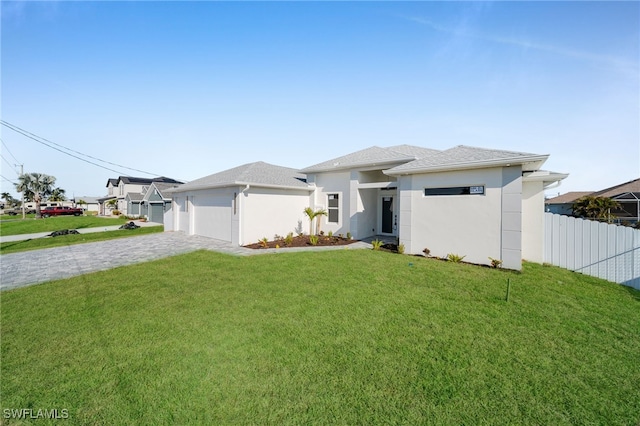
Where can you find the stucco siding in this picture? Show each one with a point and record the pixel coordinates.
(212, 211)
(334, 183)
(533, 221)
(267, 212)
(466, 225)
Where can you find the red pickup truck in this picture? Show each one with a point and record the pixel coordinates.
(60, 210)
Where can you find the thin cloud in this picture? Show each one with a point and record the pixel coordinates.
(616, 62)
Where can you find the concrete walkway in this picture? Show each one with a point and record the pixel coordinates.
(37, 266)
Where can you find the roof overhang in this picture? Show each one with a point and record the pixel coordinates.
(529, 163)
(361, 166)
(377, 185)
(182, 188)
(546, 177)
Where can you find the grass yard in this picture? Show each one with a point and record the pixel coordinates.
(340, 337)
(66, 240)
(31, 226)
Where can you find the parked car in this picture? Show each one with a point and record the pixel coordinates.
(60, 211)
(18, 210)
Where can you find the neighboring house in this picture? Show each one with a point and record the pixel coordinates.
(118, 189)
(241, 205)
(563, 204)
(473, 202)
(626, 194)
(155, 202)
(90, 204)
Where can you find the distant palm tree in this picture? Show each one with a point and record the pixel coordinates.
(35, 186)
(598, 208)
(57, 194)
(8, 199)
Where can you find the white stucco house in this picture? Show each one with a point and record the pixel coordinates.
(241, 205)
(469, 201)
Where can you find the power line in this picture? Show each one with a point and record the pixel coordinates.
(7, 148)
(6, 161)
(47, 143)
(8, 180)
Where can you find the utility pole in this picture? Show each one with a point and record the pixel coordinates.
(24, 215)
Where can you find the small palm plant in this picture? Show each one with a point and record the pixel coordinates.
(377, 244)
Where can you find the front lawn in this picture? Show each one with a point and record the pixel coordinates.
(31, 225)
(340, 337)
(66, 240)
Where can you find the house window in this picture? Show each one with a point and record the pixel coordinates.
(121, 188)
(455, 190)
(333, 209)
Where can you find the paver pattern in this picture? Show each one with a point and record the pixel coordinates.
(37, 266)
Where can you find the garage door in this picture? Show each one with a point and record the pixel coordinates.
(212, 216)
(156, 213)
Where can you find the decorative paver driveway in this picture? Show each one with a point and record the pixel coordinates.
(37, 266)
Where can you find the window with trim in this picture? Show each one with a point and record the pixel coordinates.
(455, 190)
(333, 209)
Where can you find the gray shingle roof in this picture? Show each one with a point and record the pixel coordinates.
(258, 174)
(463, 156)
(372, 156)
(134, 196)
(568, 197)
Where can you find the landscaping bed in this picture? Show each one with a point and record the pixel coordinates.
(301, 241)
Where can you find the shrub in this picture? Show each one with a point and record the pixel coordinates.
(288, 240)
(455, 258)
(330, 234)
(400, 248)
(264, 242)
(115, 212)
(495, 263)
(313, 239)
(426, 252)
(377, 244)
(348, 235)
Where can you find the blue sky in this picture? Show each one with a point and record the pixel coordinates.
(187, 89)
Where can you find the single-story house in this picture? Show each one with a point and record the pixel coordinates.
(88, 203)
(241, 205)
(563, 204)
(627, 195)
(468, 201)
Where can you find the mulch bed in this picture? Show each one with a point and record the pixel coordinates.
(302, 241)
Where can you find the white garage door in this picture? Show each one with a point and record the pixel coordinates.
(212, 216)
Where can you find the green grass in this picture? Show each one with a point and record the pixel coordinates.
(66, 240)
(32, 226)
(346, 337)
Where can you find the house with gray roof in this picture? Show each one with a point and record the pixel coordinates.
(626, 194)
(474, 202)
(120, 188)
(241, 205)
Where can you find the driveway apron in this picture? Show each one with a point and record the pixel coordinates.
(37, 266)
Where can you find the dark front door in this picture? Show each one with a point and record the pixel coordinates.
(387, 215)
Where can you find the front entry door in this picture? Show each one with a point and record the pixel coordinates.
(387, 215)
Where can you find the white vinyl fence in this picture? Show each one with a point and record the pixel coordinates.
(598, 249)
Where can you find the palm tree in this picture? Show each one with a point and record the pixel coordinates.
(598, 208)
(8, 199)
(113, 203)
(57, 194)
(313, 214)
(35, 186)
(318, 214)
(310, 214)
